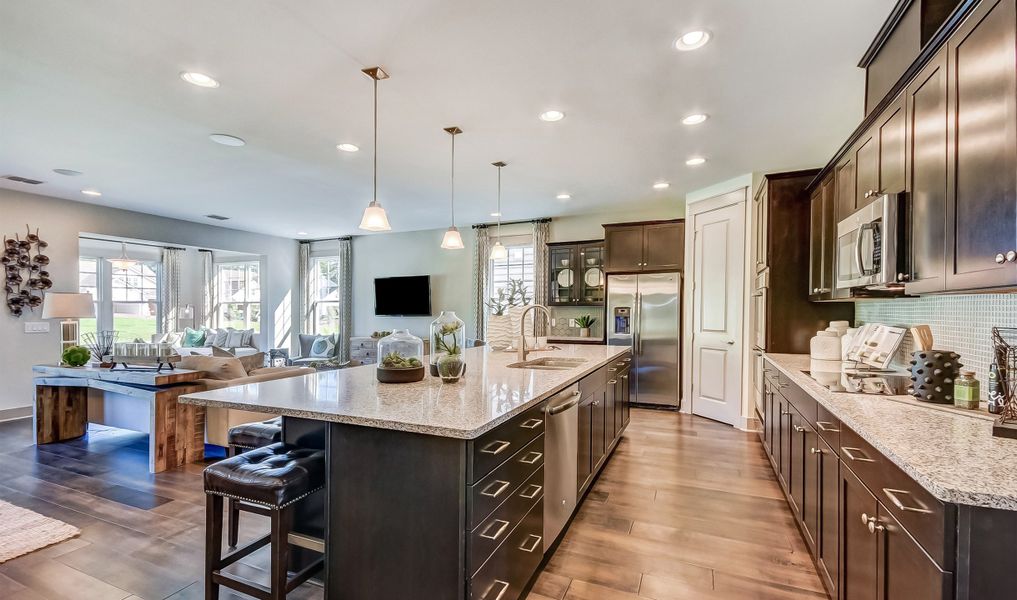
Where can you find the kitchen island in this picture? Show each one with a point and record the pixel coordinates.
(437, 490)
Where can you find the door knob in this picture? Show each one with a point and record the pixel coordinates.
(1000, 259)
(1011, 256)
(730, 342)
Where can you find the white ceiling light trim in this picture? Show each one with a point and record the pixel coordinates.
(93, 193)
(199, 79)
(692, 40)
(452, 240)
(564, 196)
(374, 218)
(695, 161)
(498, 251)
(661, 185)
(348, 147)
(227, 140)
(695, 119)
(552, 116)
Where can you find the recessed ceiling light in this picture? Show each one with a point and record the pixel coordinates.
(67, 172)
(94, 193)
(695, 161)
(496, 214)
(661, 185)
(692, 40)
(227, 140)
(301, 233)
(199, 79)
(694, 119)
(348, 147)
(564, 196)
(552, 115)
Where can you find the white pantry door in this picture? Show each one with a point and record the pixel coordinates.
(719, 272)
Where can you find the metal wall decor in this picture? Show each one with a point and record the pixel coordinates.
(25, 274)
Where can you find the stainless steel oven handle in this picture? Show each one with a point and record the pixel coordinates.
(858, 253)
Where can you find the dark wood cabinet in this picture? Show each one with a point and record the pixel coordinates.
(891, 132)
(981, 216)
(859, 546)
(822, 240)
(844, 173)
(649, 246)
(597, 427)
(784, 462)
(576, 273)
(926, 177)
(584, 471)
(866, 170)
(828, 527)
(905, 570)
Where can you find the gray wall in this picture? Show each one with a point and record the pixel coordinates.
(61, 221)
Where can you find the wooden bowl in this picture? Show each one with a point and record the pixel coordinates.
(400, 375)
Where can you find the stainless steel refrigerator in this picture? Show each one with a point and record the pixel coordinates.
(644, 313)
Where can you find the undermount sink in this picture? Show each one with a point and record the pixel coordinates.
(549, 362)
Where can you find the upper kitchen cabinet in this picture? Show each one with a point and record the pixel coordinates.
(891, 132)
(576, 273)
(981, 215)
(822, 236)
(648, 246)
(866, 170)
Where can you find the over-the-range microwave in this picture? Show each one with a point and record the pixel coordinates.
(871, 247)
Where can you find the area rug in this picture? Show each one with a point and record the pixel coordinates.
(23, 531)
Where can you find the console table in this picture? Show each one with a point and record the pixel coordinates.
(176, 431)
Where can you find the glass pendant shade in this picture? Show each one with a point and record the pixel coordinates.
(498, 252)
(375, 218)
(452, 240)
(123, 262)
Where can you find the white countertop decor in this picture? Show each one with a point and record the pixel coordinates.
(489, 394)
(950, 452)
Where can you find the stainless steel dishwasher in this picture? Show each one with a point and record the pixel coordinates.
(561, 447)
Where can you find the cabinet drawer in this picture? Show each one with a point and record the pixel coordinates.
(510, 568)
(488, 493)
(496, 527)
(595, 381)
(772, 374)
(828, 427)
(494, 447)
(805, 404)
(930, 522)
(364, 353)
(359, 343)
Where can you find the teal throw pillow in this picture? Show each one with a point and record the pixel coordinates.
(322, 347)
(193, 338)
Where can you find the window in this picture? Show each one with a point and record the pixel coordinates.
(239, 298)
(88, 283)
(134, 293)
(325, 294)
(517, 265)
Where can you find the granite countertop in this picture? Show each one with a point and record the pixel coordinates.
(949, 452)
(489, 394)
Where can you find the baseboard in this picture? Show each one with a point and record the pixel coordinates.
(11, 414)
(749, 424)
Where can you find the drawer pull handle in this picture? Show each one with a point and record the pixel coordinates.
(612, 370)
(497, 582)
(816, 450)
(892, 495)
(612, 381)
(827, 427)
(799, 428)
(536, 539)
(502, 526)
(495, 447)
(531, 457)
(532, 423)
(870, 522)
(625, 376)
(621, 364)
(627, 360)
(532, 491)
(847, 452)
(490, 492)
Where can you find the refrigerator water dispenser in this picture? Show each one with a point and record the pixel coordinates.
(622, 320)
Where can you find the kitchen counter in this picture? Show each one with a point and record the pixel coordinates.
(951, 453)
(489, 394)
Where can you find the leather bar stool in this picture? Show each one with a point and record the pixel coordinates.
(242, 438)
(267, 481)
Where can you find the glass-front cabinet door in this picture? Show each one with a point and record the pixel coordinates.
(562, 271)
(592, 281)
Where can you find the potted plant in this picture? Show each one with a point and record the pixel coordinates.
(447, 360)
(500, 330)
(585, 322)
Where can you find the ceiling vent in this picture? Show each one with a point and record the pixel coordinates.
(21, 179)
(217, 217)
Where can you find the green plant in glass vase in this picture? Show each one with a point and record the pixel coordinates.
(447, 335)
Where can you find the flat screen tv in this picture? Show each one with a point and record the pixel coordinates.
(403, 296)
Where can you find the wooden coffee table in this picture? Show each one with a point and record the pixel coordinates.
(176, 431)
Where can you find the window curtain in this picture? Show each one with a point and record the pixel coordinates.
(345, 296)
(208, 296)
(481, 278)
(304, 280)
(171, 289)
(541, 235)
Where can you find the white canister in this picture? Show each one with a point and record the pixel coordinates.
(825, 346)
(839, 327)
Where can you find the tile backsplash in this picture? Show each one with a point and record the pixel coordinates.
(960, 323)
(562, 314)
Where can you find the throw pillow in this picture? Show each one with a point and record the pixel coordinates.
(222, 353)
(193, 338)
(173, 338)
(323, 347)
(252, 362)
(248, 341)
(214, 367)
(209, 337)
(234, 338)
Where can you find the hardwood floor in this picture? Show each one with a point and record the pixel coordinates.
(686, 508)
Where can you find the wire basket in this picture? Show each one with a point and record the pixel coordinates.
(1004, 342)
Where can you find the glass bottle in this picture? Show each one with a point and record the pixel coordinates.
(448, 341)
(400, 357)
(966, 391)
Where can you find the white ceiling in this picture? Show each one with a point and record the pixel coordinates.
(94, 86)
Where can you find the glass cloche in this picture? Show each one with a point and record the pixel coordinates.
(448, 341)
(400, 357)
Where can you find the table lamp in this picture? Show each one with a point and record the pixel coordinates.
(69, 307)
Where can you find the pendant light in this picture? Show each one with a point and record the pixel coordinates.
(124, 262)
(375, 218)
(452, 240)
(498, 251)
